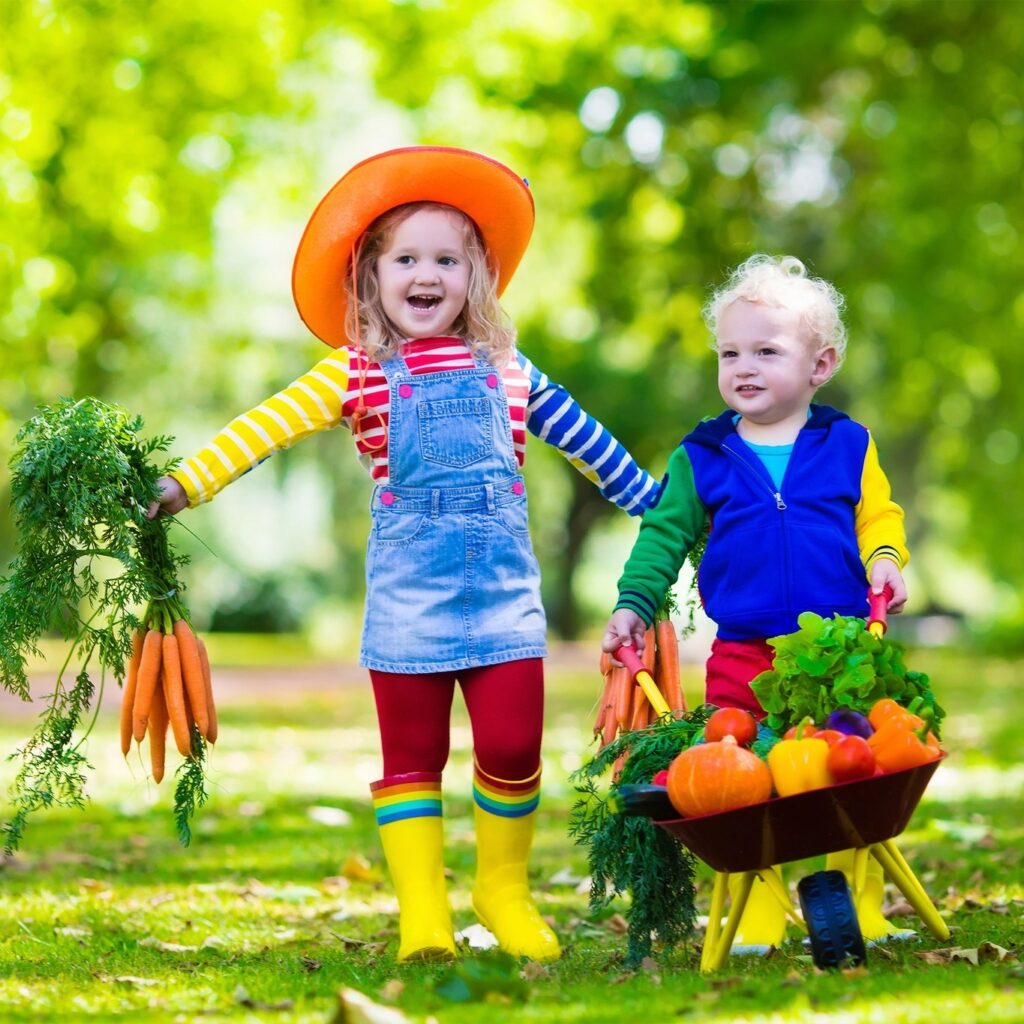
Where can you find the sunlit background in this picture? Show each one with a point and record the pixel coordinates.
(158, 162)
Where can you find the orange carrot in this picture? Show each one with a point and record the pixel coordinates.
(158, 734)
(146, 684)
(211, 708)
(604, 703)
(174, 694)
(641, 710)
(610, 727)
(130, 684)
(192, 673)
(648, 655)
(606, 663)
(622, 694)
(668, 671)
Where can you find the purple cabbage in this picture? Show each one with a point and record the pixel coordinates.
(849, 722)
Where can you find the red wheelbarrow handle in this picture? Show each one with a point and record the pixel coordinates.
(878, 605)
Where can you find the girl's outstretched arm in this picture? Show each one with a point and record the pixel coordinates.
(553, 415)
(307, 405)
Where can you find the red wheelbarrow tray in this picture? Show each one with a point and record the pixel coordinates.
(838, 817)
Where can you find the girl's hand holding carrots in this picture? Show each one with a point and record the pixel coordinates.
(172, 498)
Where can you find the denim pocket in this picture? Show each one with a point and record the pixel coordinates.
(397, 528)
(455, 431)
(513, 518)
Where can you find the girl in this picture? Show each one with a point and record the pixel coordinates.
(400, 269)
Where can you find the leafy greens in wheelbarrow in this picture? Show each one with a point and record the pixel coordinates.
(835, 663)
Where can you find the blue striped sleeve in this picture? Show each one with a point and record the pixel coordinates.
(554, 416)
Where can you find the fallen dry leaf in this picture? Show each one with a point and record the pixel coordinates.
(392, 989)
(534, 971)
(73, 933)
(152, 942)
(617, 924)
(356, 1008)
(128, 979)
(476, 936)
(358, 869)
(986, 952)
(309, 965)
(243, 998)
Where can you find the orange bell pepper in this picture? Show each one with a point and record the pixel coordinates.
(902, 743)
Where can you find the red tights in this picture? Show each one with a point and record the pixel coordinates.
(506, 710)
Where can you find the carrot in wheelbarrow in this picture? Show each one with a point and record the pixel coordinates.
(636, 669)
(211, 708)
(667, 665)
(605, 703)
(192, 674)
(130, 684)
(174, 694)
(641, 710)
(622, 692)
(148, 680)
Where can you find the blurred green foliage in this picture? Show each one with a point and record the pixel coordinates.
(157, 163)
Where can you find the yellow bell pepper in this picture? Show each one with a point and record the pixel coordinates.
(799, 765)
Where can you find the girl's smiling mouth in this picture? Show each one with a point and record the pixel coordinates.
(424, 302)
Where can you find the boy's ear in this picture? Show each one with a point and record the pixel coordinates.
(824, 366)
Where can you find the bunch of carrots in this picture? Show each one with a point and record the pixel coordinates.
(624, 707)
(167, 683)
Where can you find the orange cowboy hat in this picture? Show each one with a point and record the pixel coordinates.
(497, 200)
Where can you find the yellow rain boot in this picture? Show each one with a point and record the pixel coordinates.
(873, 925)
(505, 817)
(763, 924)
(408, 810)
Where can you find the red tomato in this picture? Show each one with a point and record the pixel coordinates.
(661, 778)
(734, 722)
(851, 758)
(805, 729)
(830, 736)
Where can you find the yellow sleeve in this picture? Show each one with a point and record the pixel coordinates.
(878, 519)
(312, 403)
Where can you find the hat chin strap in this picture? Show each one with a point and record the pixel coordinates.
(361, 410)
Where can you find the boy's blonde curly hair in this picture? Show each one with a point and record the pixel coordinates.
(784, 281)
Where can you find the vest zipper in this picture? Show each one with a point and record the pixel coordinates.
(776, 494)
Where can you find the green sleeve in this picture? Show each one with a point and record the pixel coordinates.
(668, 533)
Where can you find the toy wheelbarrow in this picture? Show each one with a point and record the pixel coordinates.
(748, 841)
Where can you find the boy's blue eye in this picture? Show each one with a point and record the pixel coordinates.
(447, 261)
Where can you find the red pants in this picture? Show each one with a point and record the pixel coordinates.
(506, 710)
(733, 663)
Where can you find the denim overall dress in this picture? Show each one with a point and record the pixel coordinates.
(451, 578)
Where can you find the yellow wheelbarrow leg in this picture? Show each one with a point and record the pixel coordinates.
(714, 928)
(720, 951)
(896, 867)
(772, 878)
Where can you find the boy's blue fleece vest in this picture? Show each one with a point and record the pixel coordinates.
(774, 554)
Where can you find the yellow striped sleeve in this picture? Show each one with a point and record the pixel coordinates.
(878, 519)
(312, 403)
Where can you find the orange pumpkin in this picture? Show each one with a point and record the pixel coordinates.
(712, 777)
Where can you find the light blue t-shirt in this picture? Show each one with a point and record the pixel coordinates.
(775, 458)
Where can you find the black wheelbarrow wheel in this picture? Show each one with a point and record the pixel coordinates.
(831, 920)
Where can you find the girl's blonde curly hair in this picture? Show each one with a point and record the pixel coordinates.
(784, 281)
(482, 324)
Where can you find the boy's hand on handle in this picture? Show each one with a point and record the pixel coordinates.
(172, 498)
(624, 627)
(885, 572)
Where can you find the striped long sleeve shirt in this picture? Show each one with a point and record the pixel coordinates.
(327, 396)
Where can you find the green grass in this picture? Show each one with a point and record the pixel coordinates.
(269, 928)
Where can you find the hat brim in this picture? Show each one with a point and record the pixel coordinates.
(498, 201)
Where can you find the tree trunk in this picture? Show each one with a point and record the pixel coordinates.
(586, 507)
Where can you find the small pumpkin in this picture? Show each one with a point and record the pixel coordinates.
(712, 777)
